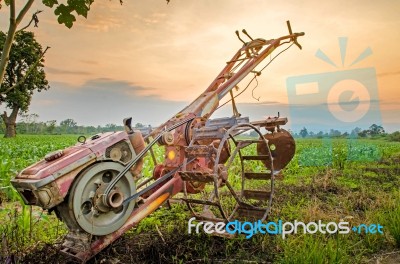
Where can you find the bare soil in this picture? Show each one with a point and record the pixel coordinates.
(149, 248)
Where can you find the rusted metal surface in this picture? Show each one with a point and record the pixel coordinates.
(102, 174)
(152, 203)
(224, 200)
(257, 195)
(271, 122)
(48, 196)
(250, 213)
(209, 133)
(43, 168)
(226, 122)
(282, 147)
(59, 172)
(257, 176)
(138, 145)
(197, 176)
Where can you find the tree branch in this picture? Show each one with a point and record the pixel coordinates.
(8, 43)
(12, 12)
(33, 19)
(4, 116)
(27, 73)
(24, 10)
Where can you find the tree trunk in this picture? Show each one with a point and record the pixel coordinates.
(10, 122)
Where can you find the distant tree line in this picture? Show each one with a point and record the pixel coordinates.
(29, 124)
(374, 131)
(395, 136)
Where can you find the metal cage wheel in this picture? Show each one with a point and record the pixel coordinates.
(237, 195)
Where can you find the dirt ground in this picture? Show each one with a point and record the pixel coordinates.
(177, 248)
(386, 258)
(150, 248)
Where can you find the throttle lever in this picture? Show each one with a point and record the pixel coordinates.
(289, 27)
(247, 34)
(237, 34)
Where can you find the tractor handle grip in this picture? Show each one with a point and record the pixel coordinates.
(296, 35)
(291, 32)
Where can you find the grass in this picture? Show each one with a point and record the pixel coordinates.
(317, 249)
(357, 181)
(393, 224)
(23, 226)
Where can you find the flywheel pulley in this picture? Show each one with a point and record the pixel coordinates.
(88, 211)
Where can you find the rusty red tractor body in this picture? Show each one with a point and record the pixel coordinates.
(96, 187)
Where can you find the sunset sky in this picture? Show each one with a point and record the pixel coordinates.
(147, 59)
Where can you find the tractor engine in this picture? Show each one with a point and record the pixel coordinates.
(72, 181)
